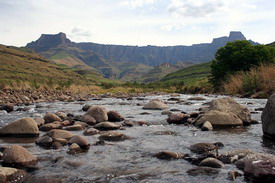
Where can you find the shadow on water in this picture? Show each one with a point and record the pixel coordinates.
(18, 140)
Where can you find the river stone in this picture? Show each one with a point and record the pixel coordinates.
(228, 104)
(113, 136)
(58, 133)
(81, 141)
(201, 148)
(50, 117)
(56, 145)
(98, 113)
(114, 116)
(86, 107)
(211, 162)
(18, 155)
(90, 131)
(177, 118)
(62, 115)
(8, 175)
(155, 105)
(76, 127)
(207, 126)
(219, 119)
(166, 113)
(45, 141)
(268, 117)
(74, 149)
(107, 126)
(196, 98)
(50, 126)
(61, 141)
(40, 121)
(232, 175)
(202, 171)
(168, 155)
(88, 119)
(234, 155)
(7, 107)
(21, 127)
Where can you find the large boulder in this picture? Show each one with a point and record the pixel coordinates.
(155, 105)
(18, 155)
(21, 127)
(228, 104)
(98, 113)
(268, 117)
(219, 119)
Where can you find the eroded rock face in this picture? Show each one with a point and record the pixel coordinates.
(98, 113)
(155, 105)
(268, 117)
(21, 127)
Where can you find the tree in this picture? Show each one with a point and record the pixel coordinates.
(238, 56)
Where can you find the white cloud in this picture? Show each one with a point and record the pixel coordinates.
(137, 3)
(80, 33)
(173, 27)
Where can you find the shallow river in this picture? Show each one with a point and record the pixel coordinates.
(132, 160)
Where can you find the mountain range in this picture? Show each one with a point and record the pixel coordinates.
(128, 63)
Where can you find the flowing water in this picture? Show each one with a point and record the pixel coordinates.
(132, 160)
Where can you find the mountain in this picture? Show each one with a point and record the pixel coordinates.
(271, 44)
(110, 59)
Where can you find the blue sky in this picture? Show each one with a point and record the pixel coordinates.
(136, 22)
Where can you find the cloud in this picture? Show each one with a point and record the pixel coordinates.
(80, 32)
(173, 27)
(137, 3)
(195, 9)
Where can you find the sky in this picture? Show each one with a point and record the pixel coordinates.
(136, 22)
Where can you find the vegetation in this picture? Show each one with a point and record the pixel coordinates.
(238, 56)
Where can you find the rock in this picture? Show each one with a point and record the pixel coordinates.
(50, 117)
(62, 115)
(155, 105)
(45, 141)
(196, 98)
(7, 107)
(166, 113)
(107, 126)
(167, 155)
(207, 126)
(113, 136)
(40, 121)
(177, 118)
(219, 119)
(268, 117)
(228, 104)
(202, 171)
(167, 132)
(91, 131)
(98, 113)
(234, 155)
(50, 126)
(201, 148)
(194, 115)
(211, 162)
(76, 127)
(114, 116)
(81, 141)
(21, 127)
(56, 145)
(66, 123)
(61, 141)
(18, 155)
(8, 175)
(86, 107)
(232, 175)
(57, 133)
(88, 119)
(74, 149)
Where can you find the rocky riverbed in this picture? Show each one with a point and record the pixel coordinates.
(147, 139)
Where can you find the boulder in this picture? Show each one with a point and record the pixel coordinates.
(7, 107)
(228, 104)
(74, 149)
(50, 117)
(107, 126)
(88, 119)
(168, 155)
(114, 116)
(177, 118)
(21, 127)
(81, 141)
(268, 117)
(155, 105)
(40, 121)
(45, 141)
(113, 136)
(76, 127)
(98, 113)
(62, 115)
(8, 175)
(211, 162)
(219, 119)
(18, 155)
(207, 126)
(86, 107)
(57, 133)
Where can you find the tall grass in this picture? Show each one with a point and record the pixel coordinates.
(260, 79)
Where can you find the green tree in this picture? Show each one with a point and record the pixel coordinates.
(238, 56)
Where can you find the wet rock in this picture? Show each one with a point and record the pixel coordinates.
(7, 107)
(98, 113)
(50, 117)
(234, 155)
(194, 114)
(155, 105)
(86, 107)
(177, 118)
(174, 99)
(74, 149)
(56, 145)
(76, 127)
(66, 123)
(81, 141)
(167, 132)
(144, 113)
(50, 126)
(268, 117)
(202, 171)
(211, 162)
(232, 175)
(113, 136)
(88, 119)
(228, 104)
(18, 155)
(40, 121)
(114, 116)
(196, 98)
(219, 119)
(61, 141)
(62, 115)
(91, 131)
(99, 143)
(45, 141)
(8, 175)
(168, 155)
(207, 126)
(56, 133)
(201, 148)
(107, 126)
(166, 113)
(21, 127)
(175, 110)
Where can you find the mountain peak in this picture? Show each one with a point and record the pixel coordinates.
(236, 35)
